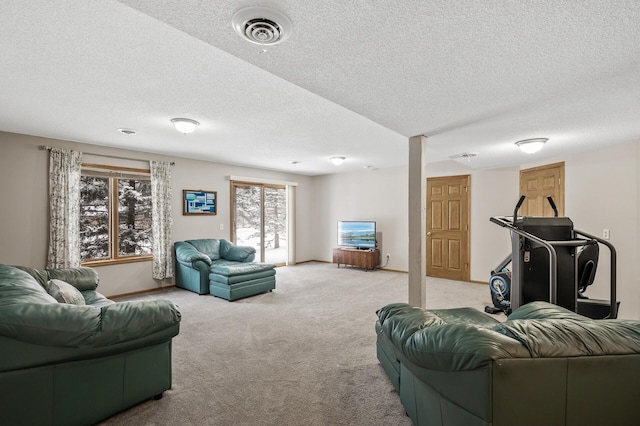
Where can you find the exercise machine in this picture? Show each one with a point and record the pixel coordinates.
(550, 261)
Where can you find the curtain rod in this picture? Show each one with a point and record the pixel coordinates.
(48, 148)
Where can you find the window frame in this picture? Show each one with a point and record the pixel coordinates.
(114, 174)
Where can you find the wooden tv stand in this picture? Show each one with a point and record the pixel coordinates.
(367, 259)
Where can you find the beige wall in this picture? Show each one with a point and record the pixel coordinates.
(602, 191)
(378, 195)
(24, 225)
(381, 195)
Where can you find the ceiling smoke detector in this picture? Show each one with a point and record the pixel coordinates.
(261, 25)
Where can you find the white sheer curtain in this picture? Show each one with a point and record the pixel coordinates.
(161, 219)
(64, 208)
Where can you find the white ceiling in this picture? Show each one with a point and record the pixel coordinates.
(356, 78)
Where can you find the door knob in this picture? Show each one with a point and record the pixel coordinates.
(428, 234)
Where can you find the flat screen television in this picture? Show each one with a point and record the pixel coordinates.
(357, 234)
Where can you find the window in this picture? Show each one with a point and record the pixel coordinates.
(115, 215)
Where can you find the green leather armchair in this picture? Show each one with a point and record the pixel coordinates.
(221, 268)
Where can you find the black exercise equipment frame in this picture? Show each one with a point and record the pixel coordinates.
(550, 246)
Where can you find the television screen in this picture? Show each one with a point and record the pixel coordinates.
(357, 234)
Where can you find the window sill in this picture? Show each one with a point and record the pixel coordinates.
(119, 261)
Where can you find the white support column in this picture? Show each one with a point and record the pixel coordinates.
(417, 221)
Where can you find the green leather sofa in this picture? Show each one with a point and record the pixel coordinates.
(81, 360)
(220, 268)
(544, 365)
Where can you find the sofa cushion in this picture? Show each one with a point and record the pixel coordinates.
(17, 287)
(64, 292)
(95, 299)
(230, 251)
(547, 338)
(210, 247)
(229, 268)
(543, 310)
(39, 274)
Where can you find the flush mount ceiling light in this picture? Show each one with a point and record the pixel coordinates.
(337, 160)
(261, 25)
(530, 146)
(185, 125)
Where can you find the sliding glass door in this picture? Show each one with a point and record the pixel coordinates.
(260, 220)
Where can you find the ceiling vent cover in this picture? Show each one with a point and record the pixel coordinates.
(261, 25)
(466, 155)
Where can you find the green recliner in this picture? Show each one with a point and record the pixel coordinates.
(220, 268)
(81, 360)
(544, 365)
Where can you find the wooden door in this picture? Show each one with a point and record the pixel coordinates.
(538, 183)
(448, 227)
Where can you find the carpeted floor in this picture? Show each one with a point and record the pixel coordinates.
(303, 354)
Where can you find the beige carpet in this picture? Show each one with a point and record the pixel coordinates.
(303, 354)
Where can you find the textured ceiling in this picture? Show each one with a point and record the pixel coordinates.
(356, 78)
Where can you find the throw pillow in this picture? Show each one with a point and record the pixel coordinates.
(64, 292)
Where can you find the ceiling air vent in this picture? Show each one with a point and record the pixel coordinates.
(465, 155)
(261, 25)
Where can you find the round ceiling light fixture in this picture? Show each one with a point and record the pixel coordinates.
(337, 160)
(531, 146)
(261, 25)
(185, 125)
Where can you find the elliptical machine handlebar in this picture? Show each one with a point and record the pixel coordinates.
(553, 205)
(518, 205)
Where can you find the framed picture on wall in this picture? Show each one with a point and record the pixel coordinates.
(199, 202)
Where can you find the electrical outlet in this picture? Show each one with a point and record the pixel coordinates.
(605, 234)
(222, 227)
(388, 256)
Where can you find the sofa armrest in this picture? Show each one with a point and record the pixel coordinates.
(63, 325)
(230, 251)
(185, 252)
(126, 321)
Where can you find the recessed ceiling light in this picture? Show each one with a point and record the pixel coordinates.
(128, 132)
